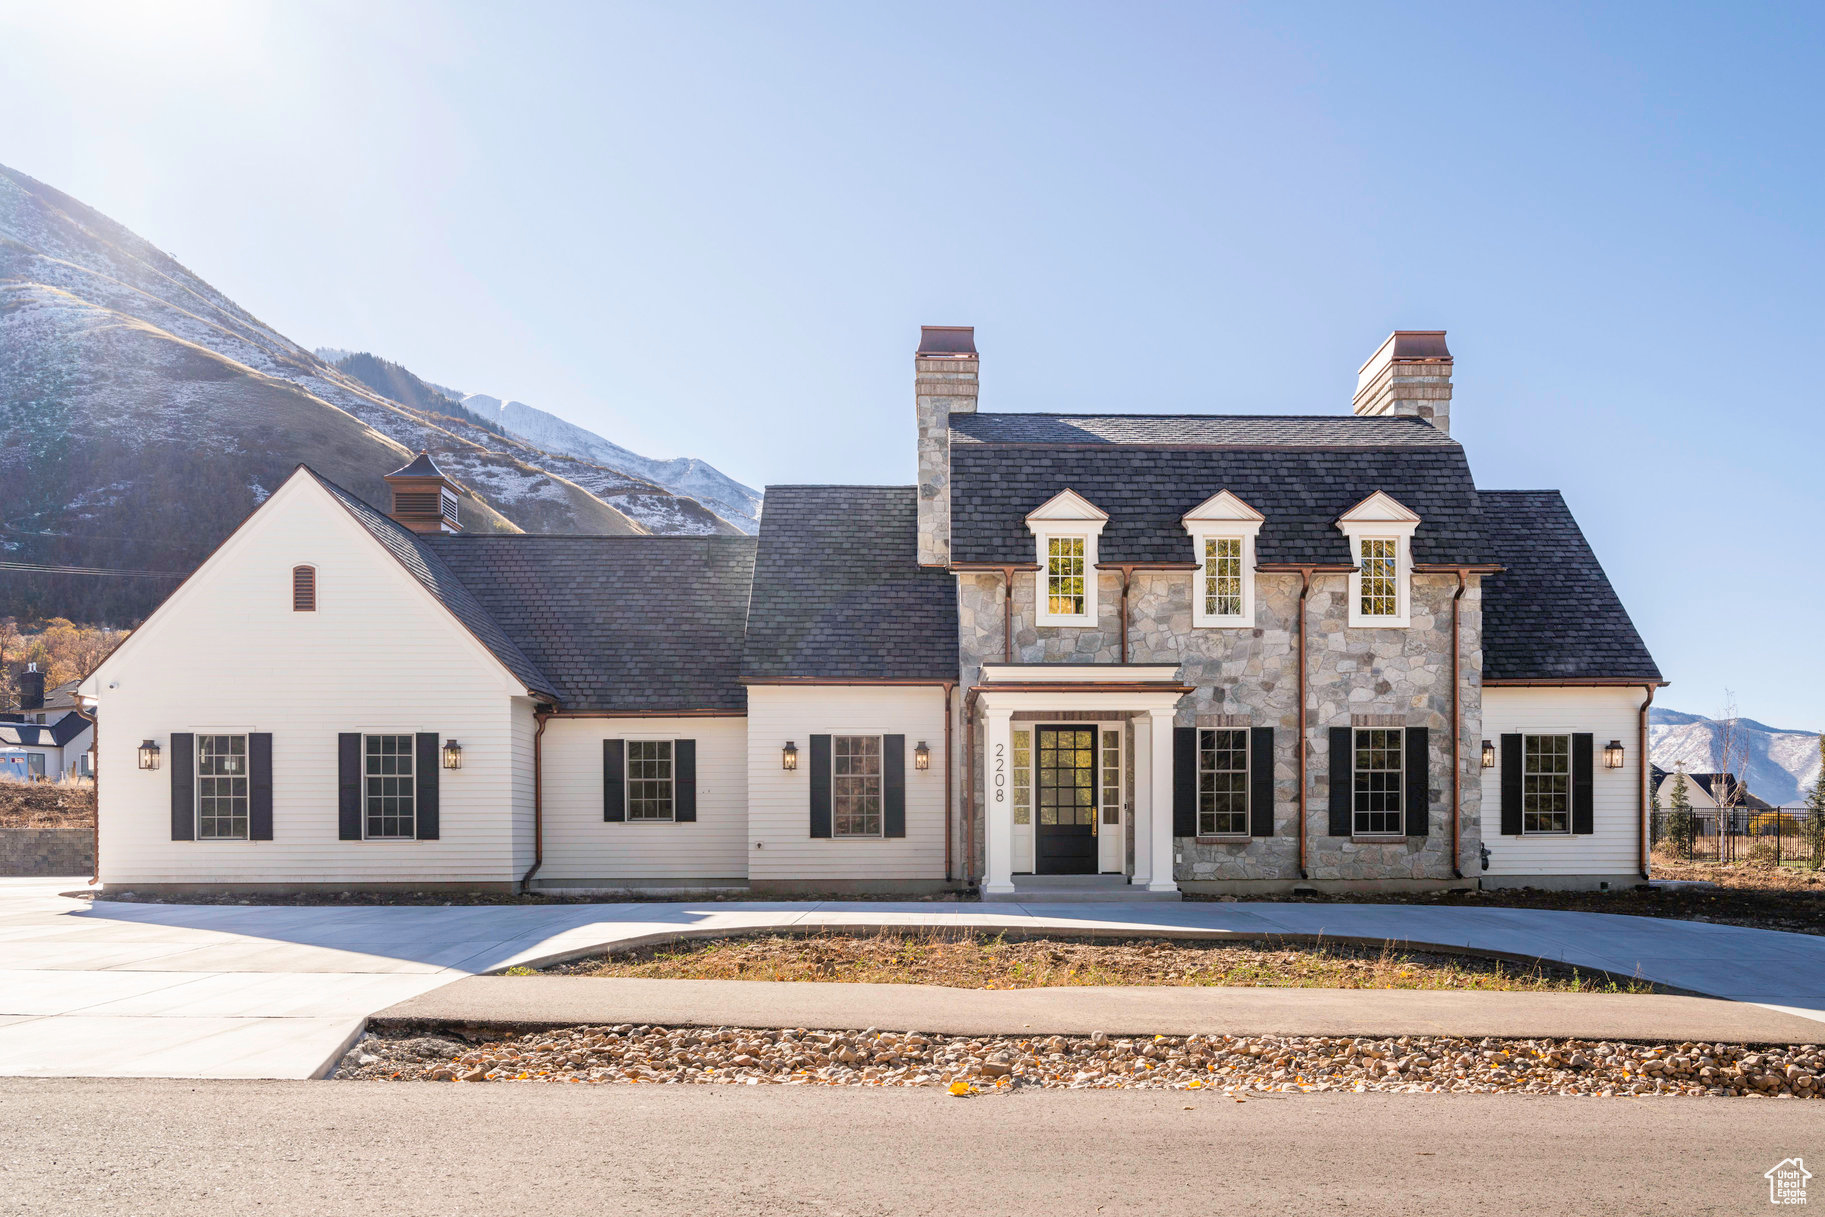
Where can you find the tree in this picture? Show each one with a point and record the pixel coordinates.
(1728, 793)
(1813, 830)
(1681, 826)
(1656, 827)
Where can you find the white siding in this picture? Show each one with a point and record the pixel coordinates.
(580, 845)
(227, 654)
(781, 847)
(523, 723)
(1614, 844)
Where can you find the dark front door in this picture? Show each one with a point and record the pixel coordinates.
(1066, 780)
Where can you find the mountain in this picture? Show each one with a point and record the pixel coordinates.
(143, 414)
(1782, 766)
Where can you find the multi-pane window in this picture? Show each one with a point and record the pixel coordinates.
(389, 787)
(1380, 581)
(1546, 783)
(1065, 576)
(649, 779)
(1378, 811)
(1112, 777)
(855, 785)
(1023, 776)
(1223, 576)
(221, 787)
(1222, 783)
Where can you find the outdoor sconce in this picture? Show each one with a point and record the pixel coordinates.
(1612, 754)
(788, 756)
(1488, 755)
(148, 754)
(922, 756)
(453, 754)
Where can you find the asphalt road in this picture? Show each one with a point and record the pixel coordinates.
(101, 1146)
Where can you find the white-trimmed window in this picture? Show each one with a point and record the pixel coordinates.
(1223, 530)
(651, 777)
(1380, 532)
(221, 788)
(1223, 783)
(389, 788)
(855, 786)
(1023, 775)
(1112, 775)
(1066, 529)
(1546, 785)
(1379, 809)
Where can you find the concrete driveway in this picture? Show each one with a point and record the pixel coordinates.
(228, 991)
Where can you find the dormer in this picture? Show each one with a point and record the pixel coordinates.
(1223, 530)
(424, 500)
(1065, 531)
(1380, 530)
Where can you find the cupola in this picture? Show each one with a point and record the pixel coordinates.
(424, 500)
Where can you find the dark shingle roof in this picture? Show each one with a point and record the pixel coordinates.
(621, 623)
(422, 466)
(839, 593)
(43, 735)
(424, 565)
(1148, 487)
(1199, 430)
(1552, 614)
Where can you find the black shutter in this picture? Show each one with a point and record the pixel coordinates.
(1343, 778)
(259, 786)
(1584, 793)
(614, 780)
(348, 786)
(684, 781)
(820, 785)
(893, 786)
(1261, 782)
(1184, 781)
(1418, 783)
(183, 786)
(1511, 785)
(427, 771)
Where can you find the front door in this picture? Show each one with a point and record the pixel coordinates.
(1065, 769)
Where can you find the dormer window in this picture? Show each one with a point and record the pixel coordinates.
(1065, 532)
(1380, 531)
(1223, 530)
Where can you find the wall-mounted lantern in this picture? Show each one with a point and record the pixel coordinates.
(148, 754)
(922, 756)
(453, 754)
(1488, 755)
(788, 756)
(1612, 754)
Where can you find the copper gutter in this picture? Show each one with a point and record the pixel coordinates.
(1073, 686)
(1589, 682)
(950, 774)
(991, 568)
(838, 680)
(538, 797)
(95, 789)
(1457, 718)
(647, 714)
(1007, 614)
(1641, 758)
(1305, 587)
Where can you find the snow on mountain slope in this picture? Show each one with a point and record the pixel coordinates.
(1782, 766)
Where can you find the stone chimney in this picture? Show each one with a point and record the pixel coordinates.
(31, 688)
(1410, 376)
(944, 383)
(424, 500)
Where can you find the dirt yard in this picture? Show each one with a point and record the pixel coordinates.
(46, 804)
(972, 961)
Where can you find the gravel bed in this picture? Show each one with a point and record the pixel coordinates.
(1227, 1064)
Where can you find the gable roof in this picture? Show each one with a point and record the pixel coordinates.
(1301, 474)
(622, 623)
(43, 735)
(839, 592)
(1552, 614)
(424, 565)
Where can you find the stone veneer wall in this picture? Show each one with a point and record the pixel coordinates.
(1404, 673)
(45, 852)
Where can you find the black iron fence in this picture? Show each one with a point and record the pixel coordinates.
(1778, 835)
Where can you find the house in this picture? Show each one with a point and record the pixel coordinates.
(1708, 793)
(1148, 654)
(45, 737)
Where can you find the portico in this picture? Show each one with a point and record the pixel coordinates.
(1078, 764)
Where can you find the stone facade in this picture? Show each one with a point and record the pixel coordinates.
(941, 387)
(47, 852)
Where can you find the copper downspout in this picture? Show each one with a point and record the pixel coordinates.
(538, 797)
(1007, 615)
(1457, 718)
(1641, 755)
(94, 791)
(1127, 575)
(950, 775)
(969, 788)
(1305, 586)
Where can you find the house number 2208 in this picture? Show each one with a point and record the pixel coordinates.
(1001, 772)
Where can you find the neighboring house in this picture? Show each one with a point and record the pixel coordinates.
(45, 737)
(1708, 792)
(1210, 653)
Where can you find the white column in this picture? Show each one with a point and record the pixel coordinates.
(1142, 760)
(998, 805)
(1159, 839)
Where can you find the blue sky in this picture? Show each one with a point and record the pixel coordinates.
(714, 230)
